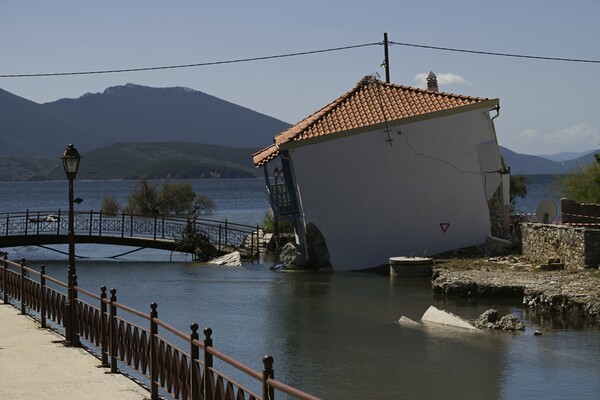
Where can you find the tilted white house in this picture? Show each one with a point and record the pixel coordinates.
(388, 170)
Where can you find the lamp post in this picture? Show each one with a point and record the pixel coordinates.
(277, 173)
(70, 160)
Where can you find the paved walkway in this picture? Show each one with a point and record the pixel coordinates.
(34, 366)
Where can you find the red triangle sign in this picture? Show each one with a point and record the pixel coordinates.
(444, 226)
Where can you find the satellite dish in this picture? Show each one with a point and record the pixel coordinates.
(546, 212)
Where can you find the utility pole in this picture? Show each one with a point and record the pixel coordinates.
(386, 61)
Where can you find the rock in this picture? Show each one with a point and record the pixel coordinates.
(317, 256)
(318, 253)
(232, 260)
(292, 257)
(496, 245)
(511, 323)
(489, 320)
(553, 264)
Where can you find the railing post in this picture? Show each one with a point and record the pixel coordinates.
(163, 226)
(103, 336)
(100, 223)
(113, 331)
(268, 373)
(194, 367)
(4, 284)
(37, 226)
(153, 353)
(26, 221)
(220, 228)
(43, 295)
(208, 364)
(74, 313)
(226, 233)
(123, 224)
(155, 220)
(58, 223)
(22, 286)
(91, 220)
(131, 225)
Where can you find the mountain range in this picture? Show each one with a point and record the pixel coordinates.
(129, 113)
(130, 130)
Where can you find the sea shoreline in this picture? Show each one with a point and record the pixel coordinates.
(565, 292)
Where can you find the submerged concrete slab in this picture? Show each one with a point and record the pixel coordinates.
(441, 317)
(231, 260)
(410, 266)
(409, 323)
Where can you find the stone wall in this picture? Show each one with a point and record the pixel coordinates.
(498, 216)
(575, 246)
(573, 212)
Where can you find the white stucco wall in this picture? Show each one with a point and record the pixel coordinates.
(372, 201)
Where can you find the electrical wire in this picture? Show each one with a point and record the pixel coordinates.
(205, 64)
(303, 53)
(490, 53)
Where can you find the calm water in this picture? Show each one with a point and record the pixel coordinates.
(336, 335)
(539, 188)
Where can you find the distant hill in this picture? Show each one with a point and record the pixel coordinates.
(539, 165)
(21, 169)
(175, 160)
(129, 113)
(566, 155)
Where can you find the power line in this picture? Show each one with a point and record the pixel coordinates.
(240, 60)
(271, 57)
(489, 53)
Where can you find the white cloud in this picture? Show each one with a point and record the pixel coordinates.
(443, 79)
(576, 134)
(579, 137)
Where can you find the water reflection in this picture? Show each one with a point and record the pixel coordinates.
(337, 336)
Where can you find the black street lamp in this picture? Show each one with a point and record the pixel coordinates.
(70, 160)
(277, 173)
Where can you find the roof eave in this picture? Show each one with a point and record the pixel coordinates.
(484, 104)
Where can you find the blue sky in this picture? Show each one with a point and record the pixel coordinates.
(547, 107)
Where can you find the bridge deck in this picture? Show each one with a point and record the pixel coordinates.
(173, 233)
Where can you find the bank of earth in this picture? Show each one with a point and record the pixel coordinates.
(573, 293)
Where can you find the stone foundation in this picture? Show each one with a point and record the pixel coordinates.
(575, 246)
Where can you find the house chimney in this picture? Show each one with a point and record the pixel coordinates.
(432, 85)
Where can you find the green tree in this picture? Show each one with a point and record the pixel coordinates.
(110, 205)
(176, 198)
(144, 199)
(518, 187)
(171, 198)
(582, 185)
(285, 226)
(204, 204)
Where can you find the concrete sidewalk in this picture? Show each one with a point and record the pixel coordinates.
(34, 366)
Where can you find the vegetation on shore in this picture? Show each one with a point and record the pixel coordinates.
(156, 160)
(518, 187)
(583, 185)
(169, 198)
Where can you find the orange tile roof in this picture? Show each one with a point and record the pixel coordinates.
(370, 102)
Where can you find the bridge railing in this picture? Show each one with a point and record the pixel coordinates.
(223, 235)
(188, 374)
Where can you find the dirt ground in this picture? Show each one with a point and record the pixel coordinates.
(471, 275)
